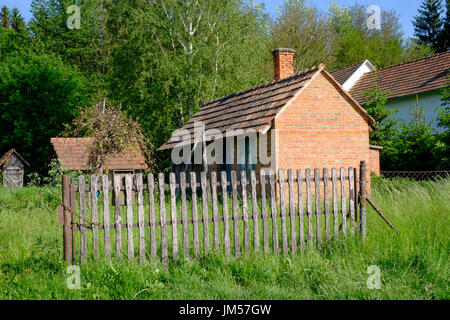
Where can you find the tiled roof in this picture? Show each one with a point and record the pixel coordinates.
(73, 154)
(4, 159)
(343, 74)
(252, 109)
(407, 78)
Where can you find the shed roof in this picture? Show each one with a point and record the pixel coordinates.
(73, 154)
(255, 108)
(406, 79)
(4, 159)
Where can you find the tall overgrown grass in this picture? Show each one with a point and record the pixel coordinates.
(414, 264)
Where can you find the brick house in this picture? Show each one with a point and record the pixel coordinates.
(307, 119)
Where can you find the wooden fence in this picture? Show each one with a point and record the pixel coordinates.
(282, 206)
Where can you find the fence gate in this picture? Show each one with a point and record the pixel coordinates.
(274, 213)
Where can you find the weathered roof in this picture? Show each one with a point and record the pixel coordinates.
(254, 108)
(73, 154)
(343, 74)
(4, 159)
(406, 79)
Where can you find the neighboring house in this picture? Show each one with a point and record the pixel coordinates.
(73, 155)
(307, 119)
(403, 83)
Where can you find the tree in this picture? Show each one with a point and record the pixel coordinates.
(356, 42)
(305, 29)
(170, 56)
(428, 24)
(12, 42)
(17, 21)
(5, 17)
(445, 34)
(375, 105)
(84, 48)
(415, 147)
(38, 95)
(444, 123)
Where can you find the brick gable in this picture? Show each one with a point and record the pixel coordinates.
(322, 122)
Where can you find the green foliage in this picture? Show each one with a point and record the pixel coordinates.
(161, 60)
(415, 146)
(341, 37)
(55, 173)
(356, 42)
(444, 123)
(38, 94)
(85, 48)
(306, 29)
(113, 133)
(14, 36)
(446, 28)
(34, 179)
(429, 27)
(163, 71)
(5, 18)
(375, 105)
(11, 20)
(412, 145)
(17, 21)
(413, 265)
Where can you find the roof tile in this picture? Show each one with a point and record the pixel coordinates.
(405, 79)
(73, 154)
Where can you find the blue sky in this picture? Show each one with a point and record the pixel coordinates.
(406, 8)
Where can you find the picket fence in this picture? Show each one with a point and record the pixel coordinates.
(274, 200)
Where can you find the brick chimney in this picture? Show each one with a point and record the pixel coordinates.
(283, 62)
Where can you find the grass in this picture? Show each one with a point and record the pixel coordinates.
(414, 264)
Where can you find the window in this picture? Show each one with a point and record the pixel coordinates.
(247, 157)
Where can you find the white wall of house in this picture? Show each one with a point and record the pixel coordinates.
(405, 105)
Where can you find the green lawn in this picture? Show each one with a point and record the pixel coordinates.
(414, 265)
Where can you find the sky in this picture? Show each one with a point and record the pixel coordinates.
(406, 8)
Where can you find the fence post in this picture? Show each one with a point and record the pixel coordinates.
(72, 219)
(67, 236)
(363, 196)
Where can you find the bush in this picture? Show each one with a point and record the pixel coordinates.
(415, 146)
(38, 95)
(34, 179)
(54, 176)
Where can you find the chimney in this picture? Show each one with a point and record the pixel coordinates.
(283, 62)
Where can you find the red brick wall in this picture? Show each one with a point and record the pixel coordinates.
(320, 129)
(374, 162)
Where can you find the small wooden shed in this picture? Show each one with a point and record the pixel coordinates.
(73, 154)
(13, 169)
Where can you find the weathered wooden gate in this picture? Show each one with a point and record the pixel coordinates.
(281, 206)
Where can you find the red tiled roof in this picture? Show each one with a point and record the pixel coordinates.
(406, 79)
(73, 154)
(343, 74)
(254, 108)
